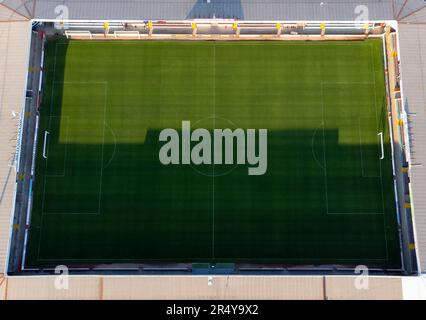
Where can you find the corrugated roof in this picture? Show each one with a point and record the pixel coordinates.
(23, 8)
(405, 8)
(9, 15)
(241, 9)
(419, 16)
(344, 288)
(238, 9)
(413, 69)
(113, 9)
(205, 288)
(316, 10)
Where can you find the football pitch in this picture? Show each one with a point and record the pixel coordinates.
(101, 194)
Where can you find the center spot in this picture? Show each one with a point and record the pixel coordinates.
(210, 123)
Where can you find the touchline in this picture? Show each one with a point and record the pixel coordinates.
(177, 150)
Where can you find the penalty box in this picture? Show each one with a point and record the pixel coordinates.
(67, 148)
(357, 148)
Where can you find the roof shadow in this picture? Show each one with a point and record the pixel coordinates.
(230, 9)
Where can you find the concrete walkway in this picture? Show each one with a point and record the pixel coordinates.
(14, 49)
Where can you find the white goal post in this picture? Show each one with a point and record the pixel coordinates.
(127, 34)
(380, 134)
(78, 34)
(46, 133)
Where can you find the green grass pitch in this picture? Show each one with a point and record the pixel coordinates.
(102, 195)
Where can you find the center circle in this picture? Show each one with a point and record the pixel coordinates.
(211, 123)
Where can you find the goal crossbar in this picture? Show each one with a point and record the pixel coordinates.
(71, 34)
(127, 34)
